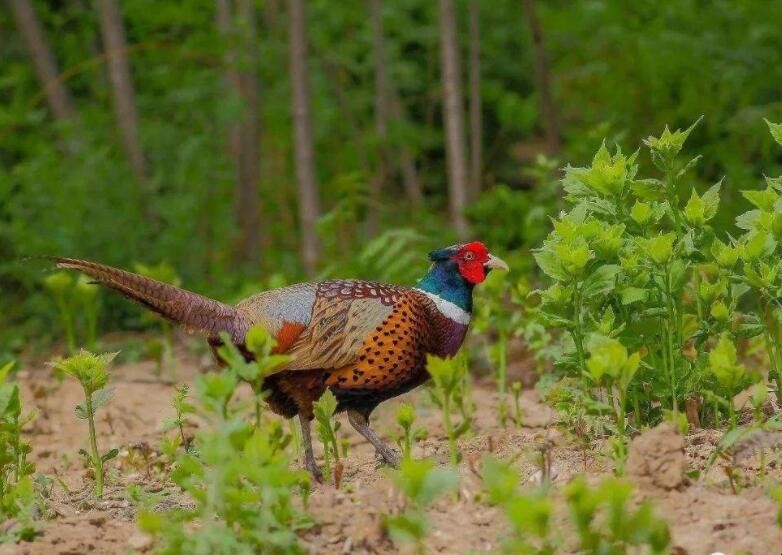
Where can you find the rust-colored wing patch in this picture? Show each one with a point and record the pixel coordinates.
(288, 334)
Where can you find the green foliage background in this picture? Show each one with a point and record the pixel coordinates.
(620, 70)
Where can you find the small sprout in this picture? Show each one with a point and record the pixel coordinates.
(421, 482)
(447, 375)
(90, 371)
(324, 409)
(405, 417)
(60, 285)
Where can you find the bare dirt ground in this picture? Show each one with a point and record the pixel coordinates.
(705, 516)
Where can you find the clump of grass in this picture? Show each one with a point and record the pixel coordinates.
(421, 482)
(90, 371)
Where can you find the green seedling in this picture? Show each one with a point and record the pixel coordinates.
(18, 498)
(609, 365)
(405, 417)
(86, 294)
(421, 482)
(605, 523)
(494, 316)
(324, 409)
(90, 371)
(182, 407)
(516, 389)
(529, 515)
(60, 285)
(731, 376)
(447, 375)
(261, 344)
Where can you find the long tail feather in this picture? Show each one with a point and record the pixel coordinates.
(194, 311)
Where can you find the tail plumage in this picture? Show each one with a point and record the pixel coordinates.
(194, 311)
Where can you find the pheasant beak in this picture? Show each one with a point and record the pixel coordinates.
(496, 263)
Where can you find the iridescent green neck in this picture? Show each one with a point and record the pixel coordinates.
(444, 280)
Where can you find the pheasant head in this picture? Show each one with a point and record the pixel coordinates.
(457, 269)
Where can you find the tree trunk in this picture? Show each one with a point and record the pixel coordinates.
(476, 119)
(377, 183)
(57, 95)
(547, 110)
(309, 203)
(410, 178)
(453, 116)
(248, 193)
(115, 47)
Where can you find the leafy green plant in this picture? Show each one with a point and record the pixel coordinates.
(182, 407)
(90, 371)
(634, 265)
(18, 498)
(421, 482)
(261, 344)
(240, 479)
(447, 377)
(324, 409)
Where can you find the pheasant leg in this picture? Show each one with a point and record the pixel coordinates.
(386, 452)
(309, 457)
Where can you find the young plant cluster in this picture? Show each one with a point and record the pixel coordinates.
(77, 305)
(601, 518)
(650, 302)
(18, 497)
(237, 471)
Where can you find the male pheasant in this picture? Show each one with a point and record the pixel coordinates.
(365, 341)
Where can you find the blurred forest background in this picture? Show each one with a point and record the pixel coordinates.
(241, 144)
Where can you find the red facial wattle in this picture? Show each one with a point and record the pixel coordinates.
(470, 260)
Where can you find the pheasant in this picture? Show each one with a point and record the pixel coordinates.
(365, 341)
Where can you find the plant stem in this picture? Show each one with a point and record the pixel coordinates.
(449, 428)
(97, 461)
(578, 336)
(669, 330)
(502, 368)
(67, 323)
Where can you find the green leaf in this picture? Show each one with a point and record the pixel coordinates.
(550, 264)
(776, 130)
(110, 454)
(630, 295)
(600, 282)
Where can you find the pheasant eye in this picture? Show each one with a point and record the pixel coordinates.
(469, 256)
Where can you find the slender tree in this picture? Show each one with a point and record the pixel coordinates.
(124, 98)
(248, 193)
(377, 183)
(476, 119)
(542, 78)
(309, 201)
(41, 54)
(453, 116)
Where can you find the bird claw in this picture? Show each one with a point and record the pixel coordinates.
(315, 472)
(388, 456)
